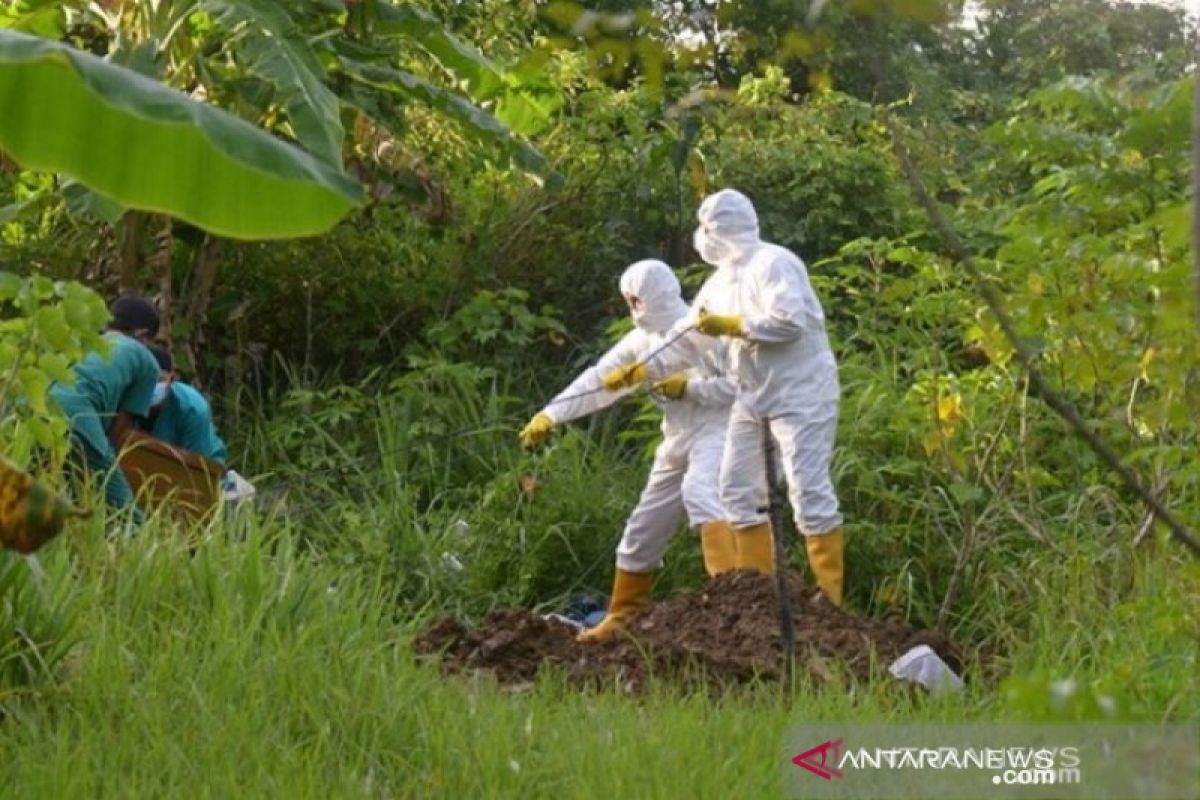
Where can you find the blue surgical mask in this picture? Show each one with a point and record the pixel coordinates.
(160, 393)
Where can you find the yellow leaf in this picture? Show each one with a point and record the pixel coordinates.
(820, 82)
(698, 174)
(1144, 363)
(949, 407)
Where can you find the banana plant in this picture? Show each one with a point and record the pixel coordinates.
(236, 116)
(146, 146)
(303, 72)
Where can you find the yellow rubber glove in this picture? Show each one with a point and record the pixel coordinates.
(536, 431)
(673, 387)
(720, 324)
(623, 377)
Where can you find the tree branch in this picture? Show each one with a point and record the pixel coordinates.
(1041, 387)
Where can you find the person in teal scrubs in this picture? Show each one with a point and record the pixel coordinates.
(181, 417)
(179, 414)
(110, 393)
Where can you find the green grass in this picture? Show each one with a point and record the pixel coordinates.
(274, 661)
(256, 669)
(239, 672)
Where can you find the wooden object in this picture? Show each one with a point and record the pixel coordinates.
(186, 483)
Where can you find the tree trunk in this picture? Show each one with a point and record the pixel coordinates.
(160, 265)
(204, 278)
(130, 233)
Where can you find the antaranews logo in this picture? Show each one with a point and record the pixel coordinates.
(827, 766)
(1012, 761)
(1012, 765)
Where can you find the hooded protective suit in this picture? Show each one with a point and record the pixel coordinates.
(781, 359)
(687, 462)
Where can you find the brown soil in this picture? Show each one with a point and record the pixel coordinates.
(724, 634)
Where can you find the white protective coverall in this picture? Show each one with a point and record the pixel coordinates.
(785, 371)
(687, 462)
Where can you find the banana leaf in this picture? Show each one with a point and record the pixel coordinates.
(149, 147)
(482, 125)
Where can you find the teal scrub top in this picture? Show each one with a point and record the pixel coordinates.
(185, 421)
(105, 386)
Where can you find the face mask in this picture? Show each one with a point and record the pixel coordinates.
(160, 393)
(712, 251)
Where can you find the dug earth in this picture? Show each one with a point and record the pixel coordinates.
(721, 636)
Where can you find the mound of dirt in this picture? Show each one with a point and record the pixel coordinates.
(724, 634)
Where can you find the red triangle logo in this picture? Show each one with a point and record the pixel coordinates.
(826, 766)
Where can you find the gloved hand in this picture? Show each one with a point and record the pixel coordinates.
(623, 377)
(673, 387)
(537, 430)
(720, 324)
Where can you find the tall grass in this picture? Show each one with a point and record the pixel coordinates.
(274, 660)
(255, 668)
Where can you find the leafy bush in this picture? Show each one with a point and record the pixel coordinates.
(819, 174)
(45, 327)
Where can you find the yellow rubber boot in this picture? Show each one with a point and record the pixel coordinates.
(756, 548)
(825, 558)
(631, 591)
(718, 545)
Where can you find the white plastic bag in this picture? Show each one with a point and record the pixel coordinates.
(924, 666)
(237, 489)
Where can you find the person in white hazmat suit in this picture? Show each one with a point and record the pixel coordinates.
(760, 301)
(683, 479)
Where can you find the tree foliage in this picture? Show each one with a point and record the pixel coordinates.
(1055, 137)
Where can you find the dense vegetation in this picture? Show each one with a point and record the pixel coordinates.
(373, 377)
